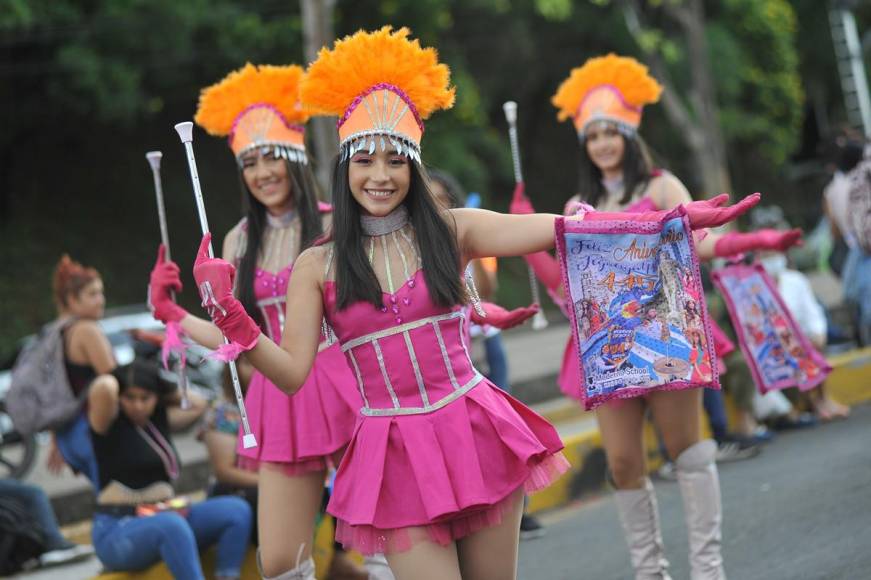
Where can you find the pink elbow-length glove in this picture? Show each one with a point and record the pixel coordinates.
(215, 282)
(734, 243)
(708, 213)
(503, 319)
(545, 266)
(164, 280)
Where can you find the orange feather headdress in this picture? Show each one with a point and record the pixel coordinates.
(379, 84)
(607, 88)
(257, 106)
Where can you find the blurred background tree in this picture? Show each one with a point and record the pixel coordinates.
(88, 86)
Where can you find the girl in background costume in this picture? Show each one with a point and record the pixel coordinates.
(440, 458)
(604, 100)
(257, 108)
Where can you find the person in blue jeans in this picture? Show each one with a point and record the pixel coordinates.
(139, 520)
(58, 550)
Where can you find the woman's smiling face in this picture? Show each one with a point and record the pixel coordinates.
(379, 182)
(268, 180)
(605, 146)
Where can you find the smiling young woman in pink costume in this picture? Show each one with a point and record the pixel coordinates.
(604, 100)
(258, 109)
(440, 458)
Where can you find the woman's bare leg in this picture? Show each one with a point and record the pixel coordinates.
(425, 560)
(491, 553)
(621, 424)
(286, 512)
(677, 415)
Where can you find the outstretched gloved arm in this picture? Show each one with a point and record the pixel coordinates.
(503, 319)
(708, 213)
(733, 243)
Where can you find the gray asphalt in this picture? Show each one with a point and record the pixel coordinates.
(799, 511)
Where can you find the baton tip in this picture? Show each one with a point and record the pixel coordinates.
(510, 109)
(154, 158)
(249, 441)
(185, 131)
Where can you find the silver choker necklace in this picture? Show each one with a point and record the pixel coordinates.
(379, 226)
(280, 221)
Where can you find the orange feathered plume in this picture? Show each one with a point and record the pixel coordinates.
(275, 86)
(358, 62)
(625, 74)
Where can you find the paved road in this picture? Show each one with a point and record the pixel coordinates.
(800, 511)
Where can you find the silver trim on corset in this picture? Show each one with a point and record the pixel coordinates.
(329, 337)
(404, 329)
(346, 346)
(420, 386)
(359, 380)
(421, 410)
(438, 332)
(384, 375)
(276, 301)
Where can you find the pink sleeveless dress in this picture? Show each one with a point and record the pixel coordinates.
(569, 379)
(437, 446)
(308, 431)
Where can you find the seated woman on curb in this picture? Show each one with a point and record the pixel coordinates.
(131, 413)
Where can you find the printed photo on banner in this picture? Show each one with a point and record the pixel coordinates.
(637, 307)
(778, 353)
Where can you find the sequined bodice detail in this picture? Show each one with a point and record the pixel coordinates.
(270, 291)
(408, 358)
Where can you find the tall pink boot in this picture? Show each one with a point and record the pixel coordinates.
(639, 516)
(700, 489)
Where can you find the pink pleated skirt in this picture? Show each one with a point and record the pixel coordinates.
(307, 431)
(448, 473)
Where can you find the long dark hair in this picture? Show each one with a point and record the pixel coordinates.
(637, 171)
(305, 192)
(437, 243)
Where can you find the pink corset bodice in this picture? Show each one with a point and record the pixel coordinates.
(270, 291)
(409, 357)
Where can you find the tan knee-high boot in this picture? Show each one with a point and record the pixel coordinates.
(700, 488)
(639, 516)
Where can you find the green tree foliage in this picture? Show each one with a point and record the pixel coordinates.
(88, 86)
(753, 48)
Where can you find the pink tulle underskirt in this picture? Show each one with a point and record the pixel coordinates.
(370, 540)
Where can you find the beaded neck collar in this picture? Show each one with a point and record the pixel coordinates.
(280, 221)
(614, 185)
(379, 226)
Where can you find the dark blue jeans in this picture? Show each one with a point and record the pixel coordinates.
(497, 363)
(36, 502)
(74, 443)
(135, 543)
(715, 407)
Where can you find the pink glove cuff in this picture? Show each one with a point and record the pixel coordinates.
(173, 342)
(241, 331)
